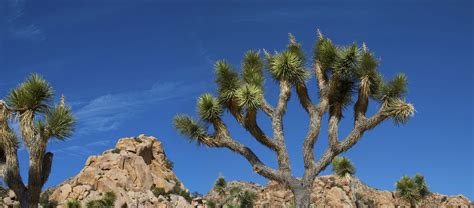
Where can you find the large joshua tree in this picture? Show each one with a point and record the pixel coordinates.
(39, 121)
(341, 72)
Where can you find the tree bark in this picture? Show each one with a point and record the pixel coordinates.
(302, 197)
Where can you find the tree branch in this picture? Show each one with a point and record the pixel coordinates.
(353, 137)
(249, 122)
(277, 126)
(222, 138)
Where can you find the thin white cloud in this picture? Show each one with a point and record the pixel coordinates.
(81, 150)
(109, 111)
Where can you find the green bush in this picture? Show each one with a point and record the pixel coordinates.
(211, 204)
(219, 185)
(176, 190)
(73, 203)
(107, 200)
(158, 191)
(342, 166)
(412, 189)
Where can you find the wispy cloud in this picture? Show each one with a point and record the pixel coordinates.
(202, 50)
(81, 150)
(109, 111)
(19, 29)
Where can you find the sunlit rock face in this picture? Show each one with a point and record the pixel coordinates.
(131, 170)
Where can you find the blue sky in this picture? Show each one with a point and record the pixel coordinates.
(128, 68)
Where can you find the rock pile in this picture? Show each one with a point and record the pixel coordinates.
(131, 170)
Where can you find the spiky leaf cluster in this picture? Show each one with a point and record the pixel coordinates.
(399, 110)
(59, 122)
(325, 52)
(208, 107)
(227, 80)
(412, 189)
(395, 88)
(189, 127)
(252, 67)
(342, 166)
(33, 94)
(346, 62)
(288, 66)
(371, 81)
(249, 96)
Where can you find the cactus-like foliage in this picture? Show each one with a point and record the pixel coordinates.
(288, 66)
(249, 96)
(191, 128)
(39, 121)
(252, 67)
(342, 166)
(209, 107)
(412, 189)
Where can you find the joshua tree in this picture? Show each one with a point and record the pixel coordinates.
(412, 189)
(342, 166)
(219, 185)
(39, 121)
(340, 71)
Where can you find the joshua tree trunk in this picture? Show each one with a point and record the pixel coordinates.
(302, 197)
(338, 71)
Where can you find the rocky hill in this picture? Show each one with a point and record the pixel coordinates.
(334, 191)
(131, 171)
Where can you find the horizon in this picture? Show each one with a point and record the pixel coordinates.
(126, 69)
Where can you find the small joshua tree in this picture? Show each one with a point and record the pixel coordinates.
(29, 104)
(342, 166)
(341, 72)
(412, 189)
(220, 185)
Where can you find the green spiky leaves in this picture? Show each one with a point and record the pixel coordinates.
(189, 127)
(249, 96)
(288, 66)
(325, 52)
(227, 80)
(208, 107)
(394, 89)
(342, 166)
(252, 67)
(346, 62)
(59, 122)
(33, 94)
(412, 189)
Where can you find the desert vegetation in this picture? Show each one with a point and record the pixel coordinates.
(342, 166)
(412, 189)
(30, 106)
(341, 72)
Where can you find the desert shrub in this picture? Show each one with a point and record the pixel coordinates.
(211, 204)
(412, 189)
(158, 191)
(219, 185)
(116, 151)
(169, 164)
(107, 200)
(342, 166)
(176, 190)
(44, 200)
(73, 203)
(244, 199)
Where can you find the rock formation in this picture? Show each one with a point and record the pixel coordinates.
(131, 170)
(334, 191)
